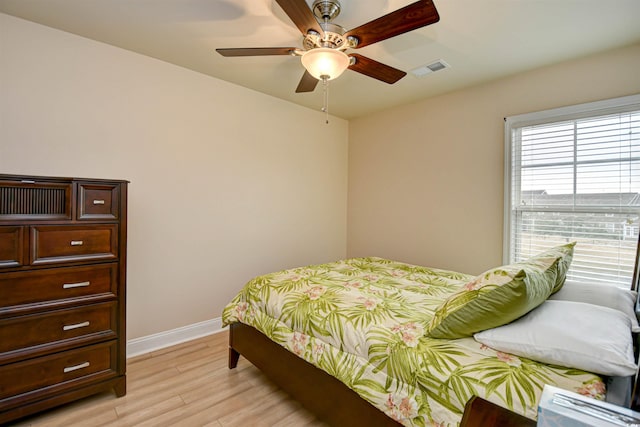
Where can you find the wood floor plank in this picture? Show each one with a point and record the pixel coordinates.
(75, 414)
(133, 418)
(265, 411)
(299, 418)
(185, 385)
(198, 412)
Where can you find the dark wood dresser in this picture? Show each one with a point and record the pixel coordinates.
(63, 251)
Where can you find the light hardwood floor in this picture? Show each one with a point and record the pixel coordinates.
(185, 385)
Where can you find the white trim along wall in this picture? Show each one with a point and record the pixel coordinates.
(149, 343)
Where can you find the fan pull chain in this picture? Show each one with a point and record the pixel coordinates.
(325, 108)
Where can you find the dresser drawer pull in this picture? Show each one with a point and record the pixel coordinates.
(77, 243)
(75, 326)
(75, 285)
(76, 367)
(98, 202)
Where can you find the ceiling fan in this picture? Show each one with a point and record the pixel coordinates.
(324, 43)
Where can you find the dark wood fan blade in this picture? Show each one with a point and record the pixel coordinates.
(375, 69)
(256, 51)
(298, 11)
(408, 18)
(307, 83)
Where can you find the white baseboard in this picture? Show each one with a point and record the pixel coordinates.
(142, 345)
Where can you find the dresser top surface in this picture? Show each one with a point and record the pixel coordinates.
(10, 177)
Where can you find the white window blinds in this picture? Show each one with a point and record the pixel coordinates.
(574, 175)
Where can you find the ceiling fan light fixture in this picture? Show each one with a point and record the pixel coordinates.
(324, 62)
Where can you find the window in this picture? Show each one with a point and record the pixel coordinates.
(573, 174)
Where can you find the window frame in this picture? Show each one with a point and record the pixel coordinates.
(573, 112)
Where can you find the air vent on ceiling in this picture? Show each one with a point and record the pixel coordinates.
(430, 68)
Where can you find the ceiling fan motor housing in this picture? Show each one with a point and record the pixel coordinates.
(326, 10)
(333, 38)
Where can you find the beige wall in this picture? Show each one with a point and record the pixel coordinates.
(220, 190)
(226, 183)
(426, 180)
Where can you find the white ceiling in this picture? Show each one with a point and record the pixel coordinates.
(482, 40)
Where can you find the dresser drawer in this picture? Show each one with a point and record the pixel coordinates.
(57, 286)
(98, 201)
(52, 330)
(57, 244)
(57, 372)
(11, 246)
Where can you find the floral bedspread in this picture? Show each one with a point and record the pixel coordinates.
(363, 321)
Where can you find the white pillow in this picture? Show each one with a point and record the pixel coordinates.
(599, 294)
(572, 334)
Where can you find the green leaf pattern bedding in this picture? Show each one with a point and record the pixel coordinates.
(363, 321)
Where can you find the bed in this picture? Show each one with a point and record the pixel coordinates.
(371, 341)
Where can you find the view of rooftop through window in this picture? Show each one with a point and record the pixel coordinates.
(579, 180)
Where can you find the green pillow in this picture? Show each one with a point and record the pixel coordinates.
(565, 253)
(496, 297)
